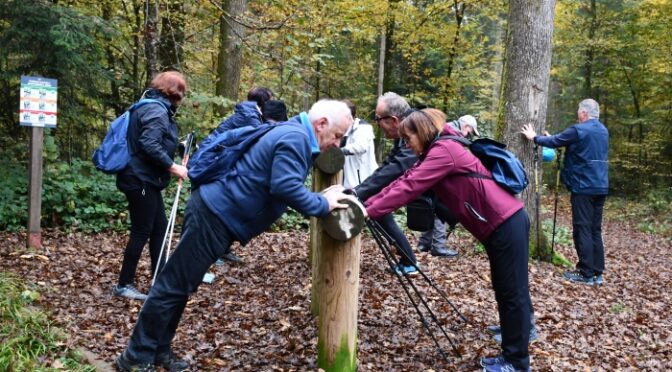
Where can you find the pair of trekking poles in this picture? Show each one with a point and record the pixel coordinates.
(168, 236)
(385, 243)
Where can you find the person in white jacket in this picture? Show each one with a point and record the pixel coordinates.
(359, 151)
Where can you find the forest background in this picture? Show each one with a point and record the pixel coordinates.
(443, 54)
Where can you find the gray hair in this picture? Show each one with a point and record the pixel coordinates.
(333, 110)
(590, 107)
(395, 104)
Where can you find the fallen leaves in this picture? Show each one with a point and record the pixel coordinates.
(256, 316)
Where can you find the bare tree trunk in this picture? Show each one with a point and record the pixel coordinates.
(590, 53)
(137, 86)
(231, 33)
(525, 95)
(459, 16)
(172, 29)
(152, 38)
(381, 64)
(112, 66)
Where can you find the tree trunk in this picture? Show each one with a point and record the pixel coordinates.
(525, 95)
(231, 34)
(152, 38)
(590, 53)
(172, 29)
(459, 16)
(112, 66)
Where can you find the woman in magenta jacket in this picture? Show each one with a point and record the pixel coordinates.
(494, 216)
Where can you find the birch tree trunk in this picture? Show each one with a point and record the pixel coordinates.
(231, 33)
(524, 98)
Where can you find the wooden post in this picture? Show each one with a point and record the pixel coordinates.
(335, 250)
(338, 275)
(35, 188)
(326, 173)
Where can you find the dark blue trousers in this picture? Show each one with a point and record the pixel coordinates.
(204, 238)
(507, 249)
(587, 233)
(389, 225)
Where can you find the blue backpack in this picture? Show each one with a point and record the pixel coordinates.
(507, 171)
(113, 156)
(217, 154)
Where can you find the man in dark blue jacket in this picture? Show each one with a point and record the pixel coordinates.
(586, 175)
(267, 179)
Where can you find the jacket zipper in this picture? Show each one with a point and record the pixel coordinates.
(471, 209)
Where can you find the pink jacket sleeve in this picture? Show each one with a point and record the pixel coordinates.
(424, 174)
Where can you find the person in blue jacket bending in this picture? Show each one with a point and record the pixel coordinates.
(586, 175)
(236, 208)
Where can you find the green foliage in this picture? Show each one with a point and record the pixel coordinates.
(74, 196)
(291, 221)
(41, 38)
(29, 341)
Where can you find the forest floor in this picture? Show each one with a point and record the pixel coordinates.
(256, 316)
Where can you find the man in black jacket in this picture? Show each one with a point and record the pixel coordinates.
(391, 109)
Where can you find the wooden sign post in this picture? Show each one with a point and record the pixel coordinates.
(37, 109)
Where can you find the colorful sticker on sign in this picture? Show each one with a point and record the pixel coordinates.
(37, 106)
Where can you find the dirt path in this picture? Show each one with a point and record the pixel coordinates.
(256, 316)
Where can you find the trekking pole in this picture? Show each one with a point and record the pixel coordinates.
(537, 199)
(429, 280)
(173, 211)
(391, 260)
(558, 161)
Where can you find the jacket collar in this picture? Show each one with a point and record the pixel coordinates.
(314, 146)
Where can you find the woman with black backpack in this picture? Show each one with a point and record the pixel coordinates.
(152, 142)
(491, 213)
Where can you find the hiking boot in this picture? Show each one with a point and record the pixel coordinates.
(443, 252)
(498, 364)
(576, 277)
(598, 280)
(534, 335)
(423, 247)
(128, 291)
(170, 362)
(402, 269)
(232, 257)
(126, 365)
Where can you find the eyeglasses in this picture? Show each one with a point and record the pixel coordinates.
(379, 118)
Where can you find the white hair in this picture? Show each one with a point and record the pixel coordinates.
(334, 111)
(395, 104)
(590, 107)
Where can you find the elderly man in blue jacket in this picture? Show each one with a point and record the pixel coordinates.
(586, 175)
(271, 176)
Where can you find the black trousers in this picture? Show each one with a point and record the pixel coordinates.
(389, 225)
(587, 233)
(148, 222)
(507, 249)
(204, 238)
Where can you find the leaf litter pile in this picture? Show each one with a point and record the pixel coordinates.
(256, 316)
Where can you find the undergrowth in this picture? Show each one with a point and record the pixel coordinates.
(28, 340)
